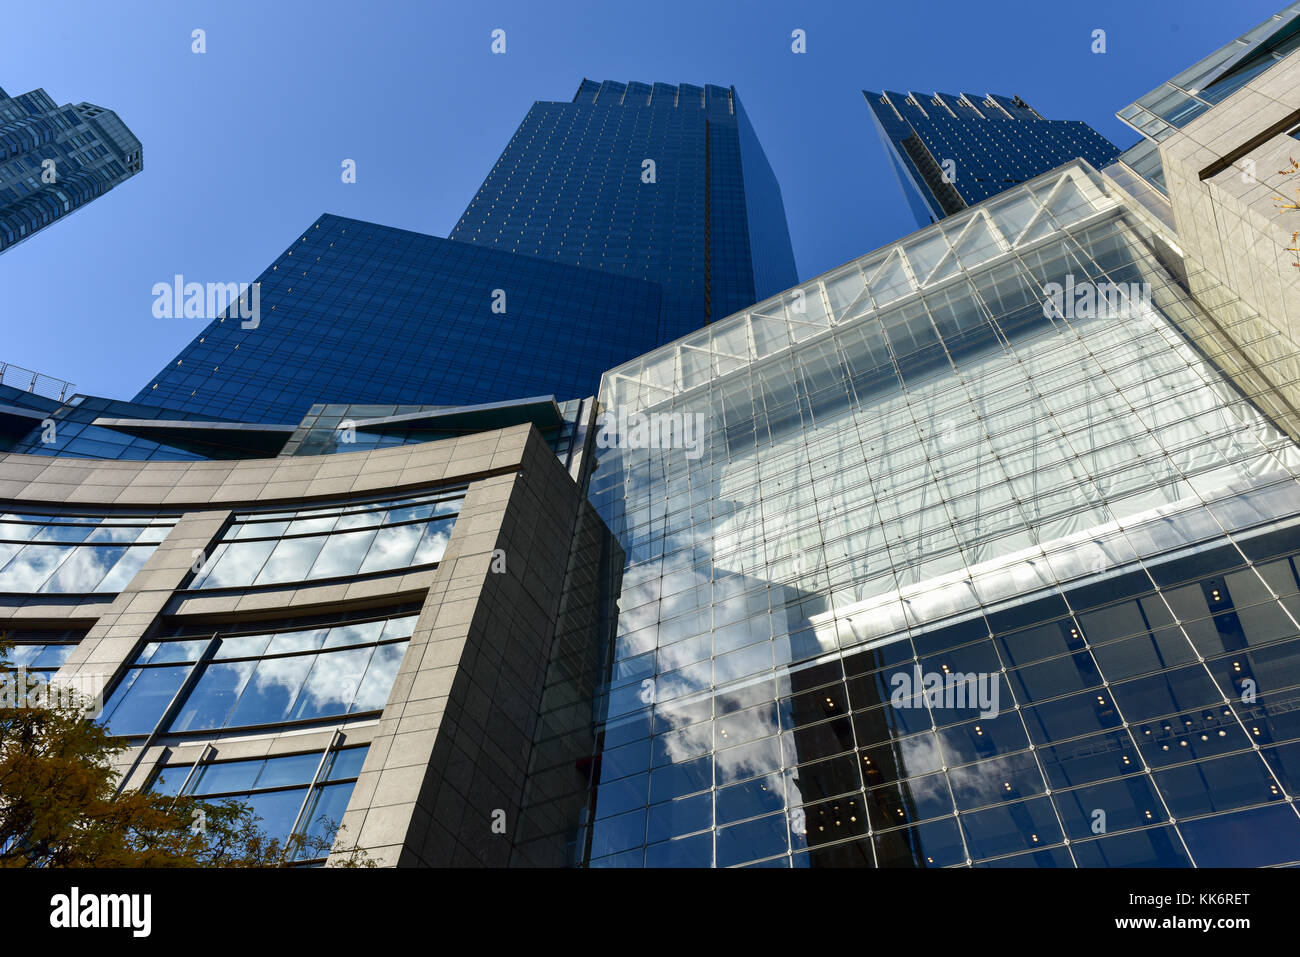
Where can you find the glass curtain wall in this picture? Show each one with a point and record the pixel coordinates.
(964, 570)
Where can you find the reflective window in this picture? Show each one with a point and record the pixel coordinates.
(40, 651)
(231, 680)
(75, 554)
(303, 794)
(275, 548)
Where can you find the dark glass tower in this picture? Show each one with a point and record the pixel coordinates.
(609, 226)
(357, 312)
(706, 221)
(952, 151)
(54, 159)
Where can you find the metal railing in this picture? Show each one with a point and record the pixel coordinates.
(17, 377)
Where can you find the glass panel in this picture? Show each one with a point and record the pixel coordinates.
(289, 641)
(291, 560)
(332, 684)
(122, 572)
(21, 655)
(222, 776)
(290, 769)
(277, 810)
(17, 531)
(167, 651)
(434, 542)
(209, 704)
(52, 656)
(392, 548)
(137, 704)
(303, 526)
(342, 554)
(346, 763)
(83, 570)
(364, 633)
(379, 678)
(242, 646)
(399, 627)
(123, 534)
(30, 568)
(62, 533)
(270, 694)
(170, 780)
(325, 812)
(239, 564)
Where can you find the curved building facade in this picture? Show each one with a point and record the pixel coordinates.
(374, 639)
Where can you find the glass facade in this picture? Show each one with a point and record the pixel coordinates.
(953, 151)
(78, 429)
(55, 159)
(956, 576)
(1211, 80)
(237, 678)
(705, 222)
(565, 264)
(354, 312)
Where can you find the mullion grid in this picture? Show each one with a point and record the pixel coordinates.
(197, 667)
(209, 753)
(1143, 563)
(1068, 440)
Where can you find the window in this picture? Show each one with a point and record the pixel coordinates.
(243, 678)
(291, 794)
(39, 651)
(274, 548)
(71, 554)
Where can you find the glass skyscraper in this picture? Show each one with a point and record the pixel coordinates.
(55, 159)
(573, 257)
(953, 151)
(662, 182)
(980, 550)
(357, 312)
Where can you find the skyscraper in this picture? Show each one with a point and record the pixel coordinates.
(953, 151)
(55, 159)
(357, 312)
(574, 256)
(662, 182)
(981, 550)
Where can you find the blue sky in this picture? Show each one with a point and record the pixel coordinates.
(243, 144)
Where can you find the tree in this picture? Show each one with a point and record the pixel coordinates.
(59, 805)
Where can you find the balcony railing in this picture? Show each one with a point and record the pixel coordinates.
(17, 377)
